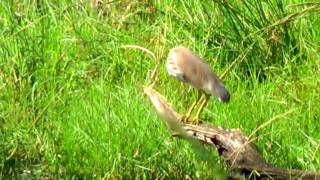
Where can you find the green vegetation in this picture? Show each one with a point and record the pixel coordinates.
(71, 99)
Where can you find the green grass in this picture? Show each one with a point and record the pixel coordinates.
(71, 99)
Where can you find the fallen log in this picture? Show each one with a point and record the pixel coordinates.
(238, 151)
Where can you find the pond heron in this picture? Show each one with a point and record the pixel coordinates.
(189, 68)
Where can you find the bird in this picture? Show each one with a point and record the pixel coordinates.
(186, 66)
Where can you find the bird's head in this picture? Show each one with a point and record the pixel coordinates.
(220, 91)
(224, 96)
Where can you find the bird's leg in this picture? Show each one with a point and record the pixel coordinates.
(203, 104)
(187, 116)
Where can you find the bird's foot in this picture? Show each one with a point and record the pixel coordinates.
(185, 118)
(195, 121)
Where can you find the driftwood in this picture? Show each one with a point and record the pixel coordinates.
(238, 151)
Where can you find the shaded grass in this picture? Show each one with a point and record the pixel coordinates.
(71, 97)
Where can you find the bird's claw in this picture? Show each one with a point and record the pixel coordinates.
(185, 118)
(195, 121)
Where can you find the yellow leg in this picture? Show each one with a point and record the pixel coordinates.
(203, 104)
(187, 116)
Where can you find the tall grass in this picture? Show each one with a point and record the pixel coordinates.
(71, 101)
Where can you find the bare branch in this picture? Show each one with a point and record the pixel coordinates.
(238, 151)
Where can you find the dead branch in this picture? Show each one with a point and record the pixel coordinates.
(238, 151)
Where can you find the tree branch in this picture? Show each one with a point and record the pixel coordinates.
(238, 151)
